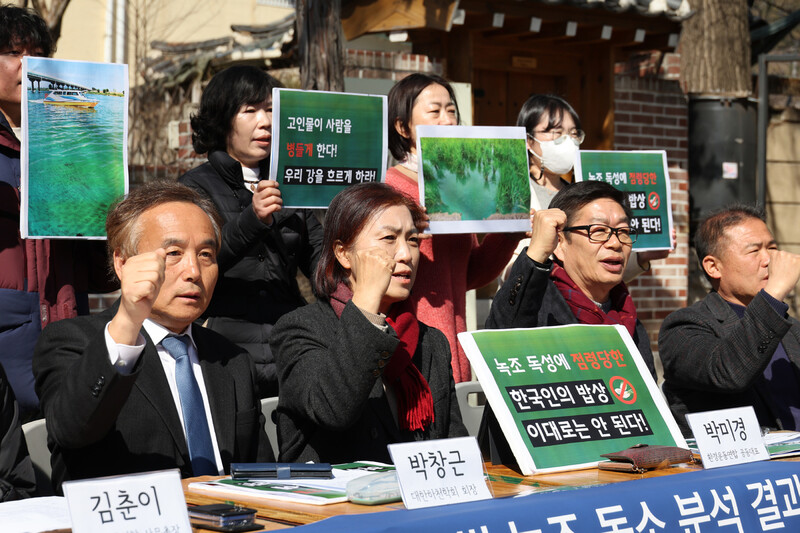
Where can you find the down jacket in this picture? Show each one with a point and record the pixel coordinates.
(258, 263)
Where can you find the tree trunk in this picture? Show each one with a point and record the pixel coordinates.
(52, 15)
(319, 43)
(715, 49)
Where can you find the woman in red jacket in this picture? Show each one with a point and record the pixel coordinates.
(450, 265)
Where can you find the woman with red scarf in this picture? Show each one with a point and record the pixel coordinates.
(587, 230)
(357, 371)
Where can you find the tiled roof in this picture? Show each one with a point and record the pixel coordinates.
(174, 63)
(672, 8)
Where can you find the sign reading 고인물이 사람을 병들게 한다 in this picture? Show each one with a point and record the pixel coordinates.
(474, 179)
(643, 176)
(323, 142)
(565, 395)
(74, 146)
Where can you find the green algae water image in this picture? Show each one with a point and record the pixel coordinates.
(475, 179)
(76, 166)
(74, 145)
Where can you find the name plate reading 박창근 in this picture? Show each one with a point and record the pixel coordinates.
(152, 501)
(439, 472)
(728, 436)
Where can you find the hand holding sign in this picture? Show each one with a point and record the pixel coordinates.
(644, 258)
(267, 200)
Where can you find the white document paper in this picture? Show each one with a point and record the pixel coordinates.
(300, 490)
(35, 514)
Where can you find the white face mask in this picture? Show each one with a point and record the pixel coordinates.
(558, 156)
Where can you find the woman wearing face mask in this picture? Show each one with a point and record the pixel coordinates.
(554, 138)
(357, 369)
(450, 265)
(262, 245)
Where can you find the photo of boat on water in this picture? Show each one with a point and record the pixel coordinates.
(74, 156)
(69, 98)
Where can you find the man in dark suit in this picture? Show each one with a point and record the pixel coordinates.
(737, 346)
(139, 387)
(587, 229)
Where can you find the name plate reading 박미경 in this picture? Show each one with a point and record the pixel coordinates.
(728, 436)
(152, 501)
(439, 472)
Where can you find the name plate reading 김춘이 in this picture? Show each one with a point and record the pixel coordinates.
(643, 176)
(439, 472)
(151, 501)
(728, 436)
(323, 142)
(565, 395)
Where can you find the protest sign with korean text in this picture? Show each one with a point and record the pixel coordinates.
(474, 178)
(564, 395)
(644, 178)
(323, 142)
(742, 498)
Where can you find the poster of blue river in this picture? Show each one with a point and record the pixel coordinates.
(474, 179)
(74, 146)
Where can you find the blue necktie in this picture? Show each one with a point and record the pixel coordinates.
(198, 436)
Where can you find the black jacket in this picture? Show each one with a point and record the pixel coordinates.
(715, 360)
(17, 479)
(101, 422)
(529, 299)
(333, 406)
(258, 263)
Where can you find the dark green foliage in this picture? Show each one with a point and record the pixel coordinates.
(433, 198)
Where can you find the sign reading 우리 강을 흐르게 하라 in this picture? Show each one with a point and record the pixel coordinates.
(323, 142)
(643, 176)
(565, 395)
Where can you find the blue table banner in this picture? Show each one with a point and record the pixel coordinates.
(762, 496)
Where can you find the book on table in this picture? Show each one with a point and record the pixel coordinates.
(310, 491)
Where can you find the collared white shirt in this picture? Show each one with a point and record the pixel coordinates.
(123, 357)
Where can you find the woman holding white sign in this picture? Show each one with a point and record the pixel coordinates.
(450, 265)
(357, 370)
(263, 245)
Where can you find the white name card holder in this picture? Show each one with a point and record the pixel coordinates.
(728, 436)
(439, 472)
(151, 501)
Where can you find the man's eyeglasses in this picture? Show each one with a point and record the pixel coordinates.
(559, 136)
(603, 233)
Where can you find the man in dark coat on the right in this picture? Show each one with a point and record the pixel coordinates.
(737, 346)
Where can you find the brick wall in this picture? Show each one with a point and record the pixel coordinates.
(651, 114)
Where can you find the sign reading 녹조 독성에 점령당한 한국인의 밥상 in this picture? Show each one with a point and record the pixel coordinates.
(565, 395)
(643, 176)
(323, 142)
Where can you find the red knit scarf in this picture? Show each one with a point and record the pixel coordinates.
(623, 311)
(414, 398)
